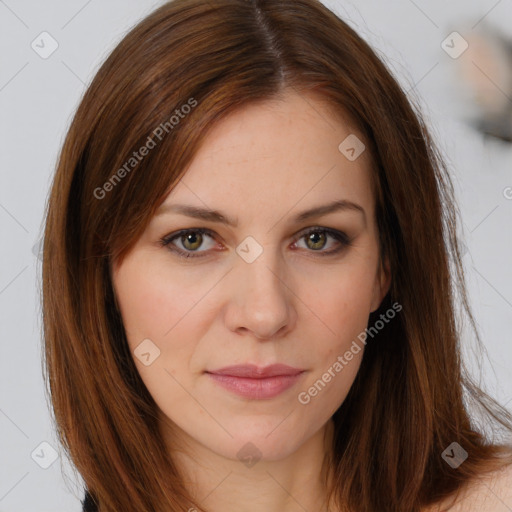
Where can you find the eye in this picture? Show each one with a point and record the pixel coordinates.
(316, 240)
(192, 239)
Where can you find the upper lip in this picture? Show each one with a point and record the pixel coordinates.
(257, 372)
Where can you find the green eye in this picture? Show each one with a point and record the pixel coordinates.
(191, 240)
(316, 239)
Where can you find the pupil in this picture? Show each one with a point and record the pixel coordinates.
(191, 239)
(312, 236)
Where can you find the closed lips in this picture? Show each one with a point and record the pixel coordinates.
(256, 383)
(254, 372)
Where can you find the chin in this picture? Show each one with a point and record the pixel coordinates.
(258, 442)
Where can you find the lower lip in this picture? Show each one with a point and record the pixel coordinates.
(257, 389)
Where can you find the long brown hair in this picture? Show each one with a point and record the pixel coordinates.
(412, 396)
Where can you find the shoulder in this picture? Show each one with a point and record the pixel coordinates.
(489, 493)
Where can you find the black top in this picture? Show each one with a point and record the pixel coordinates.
(88, 503)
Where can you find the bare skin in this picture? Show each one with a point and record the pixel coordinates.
(262, 166)
(489, 493)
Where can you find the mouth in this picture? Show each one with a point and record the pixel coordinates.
(257, 383)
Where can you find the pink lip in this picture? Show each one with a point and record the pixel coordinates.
(254, 382)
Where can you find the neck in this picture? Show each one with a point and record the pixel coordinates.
(293, 484)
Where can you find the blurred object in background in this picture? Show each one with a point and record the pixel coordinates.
(485, 75)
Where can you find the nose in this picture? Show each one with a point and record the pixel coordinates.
(261, 302)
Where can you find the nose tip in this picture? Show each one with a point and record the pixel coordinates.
(263, 328)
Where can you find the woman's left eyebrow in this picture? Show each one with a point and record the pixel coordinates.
(335, 206)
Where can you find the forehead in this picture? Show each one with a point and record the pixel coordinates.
(271, 155)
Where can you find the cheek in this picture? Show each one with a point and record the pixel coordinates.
(323, 393)
(151, 301)
(340, 305)
(337, 355)
(159, 308)
(166, 306)
(341, 301)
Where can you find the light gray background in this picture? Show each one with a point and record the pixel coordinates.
(37, 99)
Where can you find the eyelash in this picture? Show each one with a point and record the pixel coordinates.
(339, 236)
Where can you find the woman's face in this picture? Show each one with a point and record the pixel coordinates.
(261, 291)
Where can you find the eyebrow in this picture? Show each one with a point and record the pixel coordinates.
(216, 216)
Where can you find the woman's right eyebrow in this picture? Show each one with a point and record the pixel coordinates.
(197, 212)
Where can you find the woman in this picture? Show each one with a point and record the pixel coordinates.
(247, 294)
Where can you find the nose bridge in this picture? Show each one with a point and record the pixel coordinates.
(262, 298)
